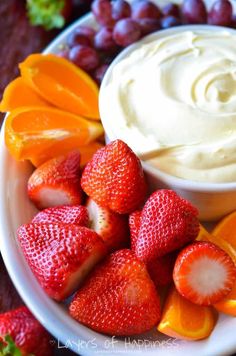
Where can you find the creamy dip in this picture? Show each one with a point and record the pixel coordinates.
(173, 100)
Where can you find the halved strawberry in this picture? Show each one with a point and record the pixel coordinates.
(23, 335)
(203, 273)
(112, 227)
(168, 222)
(134, 226)
(114, 178)
(76, 214)
(60, 255)
(56, 182)
(160, 269)
(118, 298)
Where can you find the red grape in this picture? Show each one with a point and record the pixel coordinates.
(103, 39)
(171, 10)
(145, 9)
(63, 53)
(82, 35)
(148, 25)
(233, 24)
(100, 72)
(170, 21)
(102, 11)
(194, 11)
(126, 31)
(120, 9)
(221, 13)
(84, 57)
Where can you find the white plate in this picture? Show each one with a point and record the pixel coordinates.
(15, 209)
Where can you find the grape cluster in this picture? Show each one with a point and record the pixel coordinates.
(122, 24)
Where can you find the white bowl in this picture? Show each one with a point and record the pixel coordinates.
(16, 209)
(213, 200)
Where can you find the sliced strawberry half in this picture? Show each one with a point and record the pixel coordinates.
(112, 227)
(76, 214)
(160, 269)
(168, 222)
(60, 255)
(56, 182)
(114, 178)
(203, 273)
(118, 298)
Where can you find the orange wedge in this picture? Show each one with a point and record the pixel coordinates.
(228, 304)
(224, 235)
(17, 94)
(61, 83)
(182, 319)
(203, 234)
(86, 152)
(35, 132)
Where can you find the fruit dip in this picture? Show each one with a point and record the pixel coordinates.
(172, 98)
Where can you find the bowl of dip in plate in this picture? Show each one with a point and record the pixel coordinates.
(172, 98)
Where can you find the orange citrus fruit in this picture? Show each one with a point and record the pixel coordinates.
(203, 234)
(86, 152)
(17, 94)
(224, 235)
(184, 320)
(38, 133)
(62, 83)
(228, 304)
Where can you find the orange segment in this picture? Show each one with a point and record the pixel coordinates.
(86, 152)
(17, 94)
(62, 83)
(184, 320)
(203, 234)
(34, 132)
(224, 235)
(228, 304)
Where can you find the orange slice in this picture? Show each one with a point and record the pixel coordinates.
(35, 132)
(86, 152)
(203, 234)
(17, 94)
(184, 320)
(228, 304)
(62, 83)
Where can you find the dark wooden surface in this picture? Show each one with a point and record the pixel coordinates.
(18, 39)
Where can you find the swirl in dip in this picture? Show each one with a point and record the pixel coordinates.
(173, 100)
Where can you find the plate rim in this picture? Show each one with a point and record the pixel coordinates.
(41, 304)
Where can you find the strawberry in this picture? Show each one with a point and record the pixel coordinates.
(168, 222)
(134, 226)
(114, 178)
(76, 214)
(56, 182)
(119, 298)
(23, 334)
(203, 273)
(60, 255)
(112, 227)
(160, 269)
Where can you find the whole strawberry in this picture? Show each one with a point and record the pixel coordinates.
(114, 178)
(118, 298)
(56, 182)
(20, 330)
(168, 222)
(60, 255)
(75, 214)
